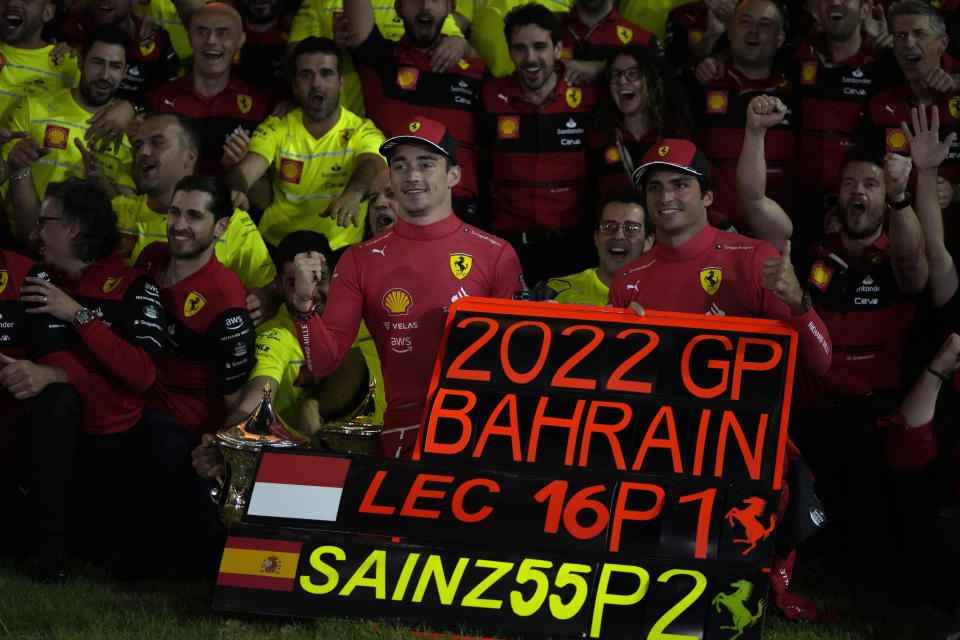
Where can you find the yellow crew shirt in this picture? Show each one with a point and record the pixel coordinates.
(309, 173)
(580, 288)
(32, 72)
(240, 248)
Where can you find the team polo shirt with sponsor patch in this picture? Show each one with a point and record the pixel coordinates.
(240, 249)
(398, 87)
(309, 173)
(316, 18)
(539, 154)
(55, 121)
(167, 16)
(868, 317)
(580, 288)
(208, 347)
(717, 273)
(121, 347)
(401, 284)
(832, 95)
(684, 30)
(279, 357)
(32, 72)
(150, 61)
(721, 111)
(580, 41)
(241, 104)
(608, 157)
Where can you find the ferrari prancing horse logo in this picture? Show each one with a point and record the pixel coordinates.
(460, 264)
(710, 278)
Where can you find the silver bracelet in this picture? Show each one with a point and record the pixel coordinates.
(17, 177)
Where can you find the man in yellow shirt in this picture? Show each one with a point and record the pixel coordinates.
(54, 148)
(323, 156)
(622, 234)
(165, 150)
(27, 67)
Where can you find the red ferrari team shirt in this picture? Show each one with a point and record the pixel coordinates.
(402, 283)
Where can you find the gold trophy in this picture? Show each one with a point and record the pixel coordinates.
(241, 445)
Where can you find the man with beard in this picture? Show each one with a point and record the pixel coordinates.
(621, 235)
(756, 31)
(863, 281)
(536, 124)
(29, 68)
(54, 148)
(323, 156)
(401, 80)
(165, 150)
(219, 103)
(402, 282)
(840, 67)
(151, 59)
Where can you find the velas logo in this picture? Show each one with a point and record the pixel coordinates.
(55, 137)
(193, 304)
(663, 150)
(397, 302)
(710, 278)
(508, 127)
(111, 284)
(414, 126)
(291, 170)
(407, 78)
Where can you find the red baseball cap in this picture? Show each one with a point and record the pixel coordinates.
(423, 131)
(676, 154)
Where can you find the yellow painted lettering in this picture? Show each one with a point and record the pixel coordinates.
(446, 590)
(603, 598)
(316, 561)
(473, 599)
(377, 560)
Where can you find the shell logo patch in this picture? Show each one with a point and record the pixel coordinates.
(574, 96)
(611, 155)
(624, 33)
(414, 126)
(716, 101)
(4, 279)
(694, 36)
(3, 61)
(820, 275)
(111, 284)
(397, 302)
(508, 127)
(808, 72)
(147, 47)
(954, 105)
(291, 170)
(244, 103)
(710, 278)
(193, 304)
(407, 78)
(566, 53)
(55, 137)
(460, 264)
(663, 150)
(896, 141)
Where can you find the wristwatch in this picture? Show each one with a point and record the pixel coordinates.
(903, 204)
(83, 316)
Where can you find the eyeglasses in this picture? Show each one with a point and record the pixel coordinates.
(629, 75)
(630, 228)
(41, 220)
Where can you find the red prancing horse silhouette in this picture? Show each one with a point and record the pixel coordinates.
(749, 518)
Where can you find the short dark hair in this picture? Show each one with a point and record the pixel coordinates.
(108, 34)
(300, 242)
(626, 195)
(532, 13)
(861, 154)
(220, 203)
(189, 137)
(85, 204)
(314, 44)
(917, 8)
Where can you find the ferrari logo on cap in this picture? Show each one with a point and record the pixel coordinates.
(710, 278)
(573, 97)
(4, 278)
(664, 150)
(414, 126)
(111, 284)
(193, 304)
(624, 33)
(244, 103)
(460, 264)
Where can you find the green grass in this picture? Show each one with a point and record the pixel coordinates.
(92, 606)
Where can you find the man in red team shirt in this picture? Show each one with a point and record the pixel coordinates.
(402, 282)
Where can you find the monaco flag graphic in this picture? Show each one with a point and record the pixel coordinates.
(305, 487)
